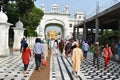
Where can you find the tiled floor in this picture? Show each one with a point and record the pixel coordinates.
(91, 72)
(62, 68)
(11, 69)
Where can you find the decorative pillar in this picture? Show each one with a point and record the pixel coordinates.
(4, 28)
(18, 35)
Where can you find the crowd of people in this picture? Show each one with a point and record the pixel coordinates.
(71, 48)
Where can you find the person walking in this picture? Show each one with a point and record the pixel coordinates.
(107, 54)
(85, 49)
(38, 51)
(114, 50)
(67, 49)
(77, 57)
(72, 45)
(55, 47)
(118, 51)
(26, 54)
(23, 41)
(82, 44)
(96, 53)
(61, 46)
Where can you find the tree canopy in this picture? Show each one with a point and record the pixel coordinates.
(28, 13)
(109, 37)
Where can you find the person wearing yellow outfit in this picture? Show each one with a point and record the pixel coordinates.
(77, 57)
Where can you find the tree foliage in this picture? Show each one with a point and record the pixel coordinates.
(24, 6)
(28, 13)
(32, 20)
(12, 13)
(109, 37)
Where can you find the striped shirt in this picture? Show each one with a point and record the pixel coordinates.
(38, 48)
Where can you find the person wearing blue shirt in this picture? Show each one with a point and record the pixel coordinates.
(85, 49)
(23, 42)
(38, 52)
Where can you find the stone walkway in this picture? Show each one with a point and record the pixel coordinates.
(11, 68)
(60, 69)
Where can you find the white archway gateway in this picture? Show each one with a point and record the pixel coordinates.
(60, 19)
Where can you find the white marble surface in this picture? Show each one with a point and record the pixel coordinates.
(11, 68)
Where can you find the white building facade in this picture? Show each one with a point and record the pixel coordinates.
(60, 19)
(4, 30)
(18, 35)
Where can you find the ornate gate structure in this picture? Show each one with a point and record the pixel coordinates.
(60, 19)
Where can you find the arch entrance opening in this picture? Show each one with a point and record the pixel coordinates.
(61, 19)
(54, 31)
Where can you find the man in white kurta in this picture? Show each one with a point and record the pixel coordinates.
(77, 57)
(55, 47)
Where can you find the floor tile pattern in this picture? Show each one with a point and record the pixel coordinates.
(11, 68)
(63, 68)
(92, 73)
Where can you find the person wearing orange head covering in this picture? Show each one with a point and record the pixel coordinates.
(77, 57)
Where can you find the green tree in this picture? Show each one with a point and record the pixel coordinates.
(109, 37)
(28, 13)
(12, 13)
(32, 21)
(24, 6)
